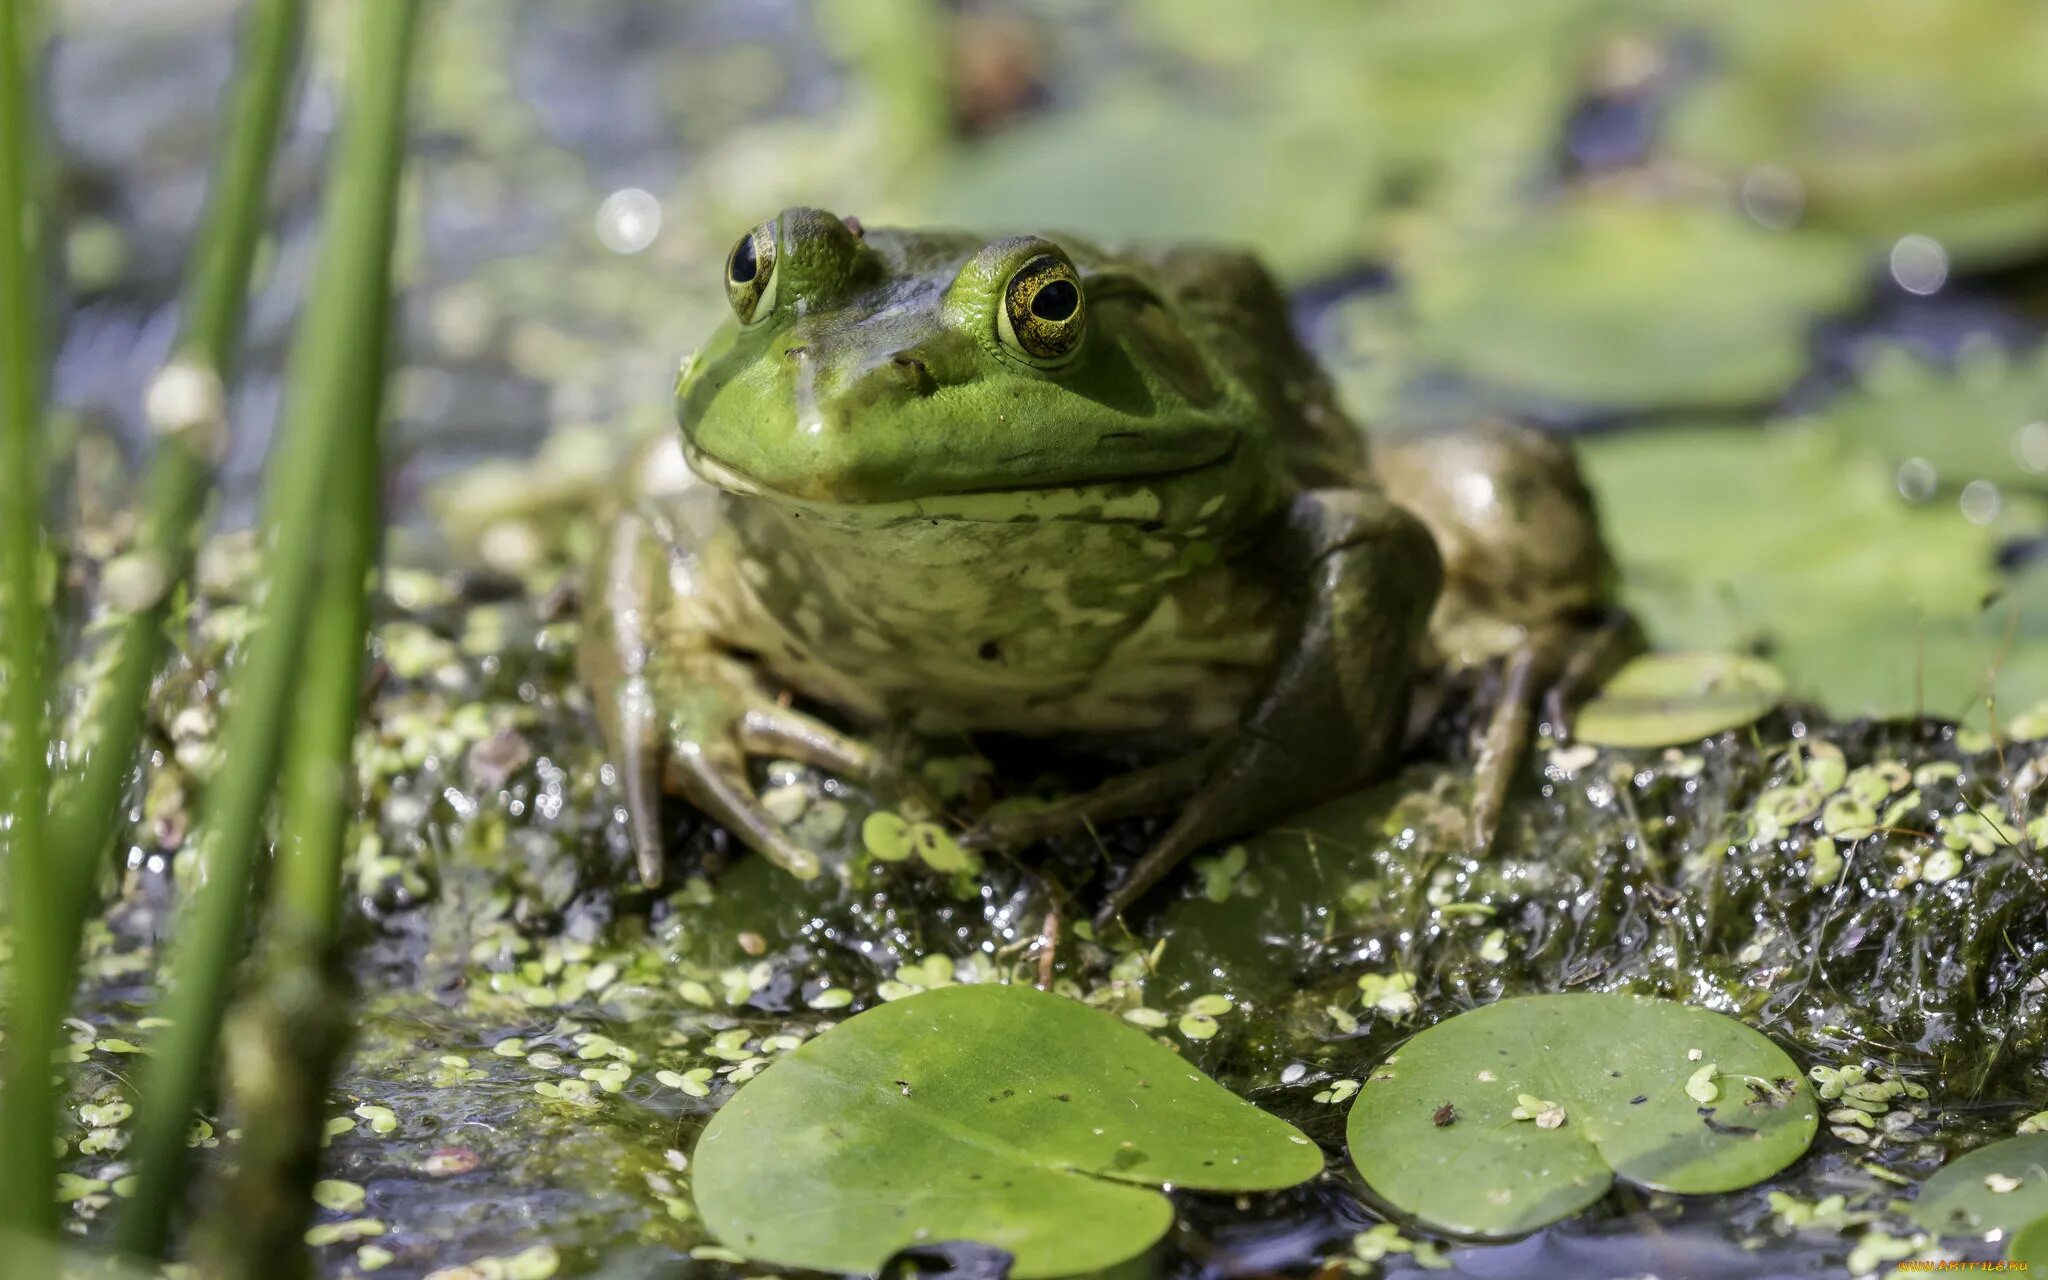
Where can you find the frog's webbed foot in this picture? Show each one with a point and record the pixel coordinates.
(1143, 790)
(1333, 713)
(688, 713)
(1560, 669)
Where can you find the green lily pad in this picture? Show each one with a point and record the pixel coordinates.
(1661, 699)
(1879, 136)
(1985, 420)
(1575, 305)
(997, 1114)
(2030, 1244)
(1787, 542)
(1516, 1115)
(2000, 1187)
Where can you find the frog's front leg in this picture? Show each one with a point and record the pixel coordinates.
(677, 707)
(1332, 715)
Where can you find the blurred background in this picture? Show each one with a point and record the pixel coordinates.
(1780, 263)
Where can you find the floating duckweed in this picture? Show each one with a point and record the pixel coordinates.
(1848, 817)
(1977, 831)
(1827, 862)
(1152, 1019)
(338, 1196)
(886, 836)
(1700, 1085)
(1875, 1248)
(73, 1187)
(940, 851)
(1546, 1114)
(346, 1231)
(695, 992)
(1374, 1245)
(1829, 1213)
(1782, 808)
(1219, 874)
(731, 1046)
(1345, 1022)
(1941, 866)
(2036, 1123)
(831, 998)
(1494, 947)
(696, 1082)
(374, 1257)
(1390, 993)
(1214, 1005)
(1936, 772)
(1197, 1026)
(510, 1047)
(610, 1077)
(1339, 1091)
(786, 803)
(565, 1090)
(545, 1059)
(932, 971)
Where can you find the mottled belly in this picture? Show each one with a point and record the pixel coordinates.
(1041, 628)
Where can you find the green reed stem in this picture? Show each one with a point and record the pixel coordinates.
(189, 415)
(35, 985)
(338, 344)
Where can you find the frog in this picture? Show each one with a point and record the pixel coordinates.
(933, 482)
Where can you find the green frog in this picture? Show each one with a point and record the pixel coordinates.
(934, 483)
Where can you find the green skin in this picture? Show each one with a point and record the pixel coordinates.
(1143, 522)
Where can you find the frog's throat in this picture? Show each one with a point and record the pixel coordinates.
(1138, 498)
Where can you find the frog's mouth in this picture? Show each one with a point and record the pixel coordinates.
(1138, 498)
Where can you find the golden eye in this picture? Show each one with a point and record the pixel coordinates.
(1042, 310)
(750, 275)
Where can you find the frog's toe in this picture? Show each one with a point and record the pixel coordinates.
(775, 730)
(713, 778)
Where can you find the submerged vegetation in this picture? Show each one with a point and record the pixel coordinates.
(1796, 281)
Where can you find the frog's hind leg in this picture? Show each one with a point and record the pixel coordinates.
(1333, 714)
(685, 711)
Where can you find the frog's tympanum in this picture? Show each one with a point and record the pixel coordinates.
(948, 484)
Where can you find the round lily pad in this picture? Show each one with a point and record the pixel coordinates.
(2030, 1244)
(996, 1114)
(2000, 1187)
(1662, 699)
(1575, 304)
(1512, 1116)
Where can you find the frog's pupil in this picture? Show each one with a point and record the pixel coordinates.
(1056, 300)
(744, 265)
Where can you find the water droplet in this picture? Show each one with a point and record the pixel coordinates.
(1980, 502)
(1772, 196)
(1919, 264)
(2030, 446)
(1917, 479)
(628, 220)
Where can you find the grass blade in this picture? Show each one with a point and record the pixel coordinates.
(338, 339)
(187, 409)
(37, 991)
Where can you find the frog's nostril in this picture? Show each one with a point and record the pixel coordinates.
(797, 352)
(914, 373)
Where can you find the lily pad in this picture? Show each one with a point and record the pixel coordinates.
(1574, 306)
(1787, 542)
(2000, 1187)
(997, 1114)
(2030, 1244)
(1662, 699)
(1516, 1115)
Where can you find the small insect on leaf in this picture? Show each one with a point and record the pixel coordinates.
(1444, 1116)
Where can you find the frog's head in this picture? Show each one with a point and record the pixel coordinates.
(881, 366)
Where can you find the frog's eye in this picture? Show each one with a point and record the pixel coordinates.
(750, 275)
(1042, 310)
